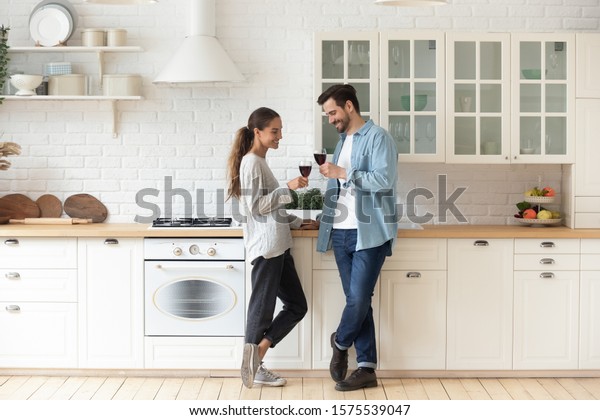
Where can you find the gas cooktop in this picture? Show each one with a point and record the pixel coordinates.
(191, 222)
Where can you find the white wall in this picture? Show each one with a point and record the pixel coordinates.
(185, 132)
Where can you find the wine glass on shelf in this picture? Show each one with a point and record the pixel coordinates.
(430, 131)
(305, 167)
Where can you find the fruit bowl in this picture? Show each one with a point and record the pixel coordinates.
(540, 222)
(539, 199)
(420, 102)
(26, 83)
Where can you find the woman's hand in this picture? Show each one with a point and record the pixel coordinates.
(331, 170)
(308, 224)
(296, 183)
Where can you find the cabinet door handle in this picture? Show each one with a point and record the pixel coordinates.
(481, 243)
(547, 261)
(547, 275)
(413, 275)
(13, 308)
(547, 245)
(111, 241)
(11, 242)
(12, 276)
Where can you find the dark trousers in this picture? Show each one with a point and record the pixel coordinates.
(271, 279)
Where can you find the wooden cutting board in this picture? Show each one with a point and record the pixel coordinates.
(85, 206)
(18, 206)
(50, 206)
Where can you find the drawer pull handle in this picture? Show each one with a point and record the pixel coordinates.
(547, 275)
(481, 243)
(12, 276)
(13, 308)
(546, 261)
(111, 242)
(547, 245)
(11, 242)
(413, 275)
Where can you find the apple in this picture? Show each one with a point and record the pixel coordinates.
(556, 215)
(544, 214)
(548, 192)
(529, 214)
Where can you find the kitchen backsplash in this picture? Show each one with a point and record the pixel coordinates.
(182, 135)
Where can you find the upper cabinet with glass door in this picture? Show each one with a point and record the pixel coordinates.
(412, 94)
(478, 98)
(346, 57)
(543, 95)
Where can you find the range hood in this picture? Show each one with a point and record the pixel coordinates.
(200, 58)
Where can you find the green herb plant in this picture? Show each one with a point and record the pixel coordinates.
(308, 200)
(3, 57)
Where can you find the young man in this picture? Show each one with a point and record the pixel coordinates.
(359, 221)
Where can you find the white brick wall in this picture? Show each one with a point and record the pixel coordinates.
(185, 132)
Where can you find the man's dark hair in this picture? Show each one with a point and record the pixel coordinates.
(340, 94)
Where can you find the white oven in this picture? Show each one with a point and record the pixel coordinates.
(194, 287)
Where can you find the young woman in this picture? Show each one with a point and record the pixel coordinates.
(268, 240)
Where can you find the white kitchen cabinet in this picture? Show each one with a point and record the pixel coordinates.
(111, 303)
(413, 94)
(587, 170)
(38, 302)
(543, 98)
(480, 296)
(294, 351)
(328, 301)
(412, 333)
(346, 57)
(546, 304)
(589, 301)
(588, 63)
(478, 98)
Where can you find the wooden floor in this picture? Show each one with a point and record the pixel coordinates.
(168, 388)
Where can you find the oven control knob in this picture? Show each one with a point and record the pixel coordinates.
(194, 250)
(177, 251)
(211, 252)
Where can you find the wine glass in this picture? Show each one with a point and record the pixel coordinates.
(320, 157)
(305, 167)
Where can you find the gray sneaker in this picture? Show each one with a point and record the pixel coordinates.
(265, 377)
(250, 364)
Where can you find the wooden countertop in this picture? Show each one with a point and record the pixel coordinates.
(137, 230)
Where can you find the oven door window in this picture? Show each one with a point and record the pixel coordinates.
(195, 299)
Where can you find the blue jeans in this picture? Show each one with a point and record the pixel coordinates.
(359, 271)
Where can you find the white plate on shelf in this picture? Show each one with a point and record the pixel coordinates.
(52, 23)
(541, 222)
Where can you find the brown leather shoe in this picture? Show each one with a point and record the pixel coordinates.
(338, 367)
(360, 378)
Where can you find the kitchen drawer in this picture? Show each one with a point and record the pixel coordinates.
(193, 352)
(408, 254)
(587, 220)
(590, 254)
(587, 204)
(29, 252)
(545, 262)
(40, 335)
(36, 285)
(547, 246)
(417, 254)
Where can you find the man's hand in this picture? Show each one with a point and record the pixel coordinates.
(330, 170)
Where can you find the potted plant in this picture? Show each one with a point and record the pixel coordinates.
(306, 204)
(3, 58)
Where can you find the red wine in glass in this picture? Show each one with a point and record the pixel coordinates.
(320, 158)
(305, 169)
